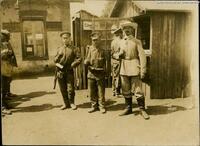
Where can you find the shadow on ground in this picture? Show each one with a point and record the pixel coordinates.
(109, 102)
(35, 108)
(15, 101)
(159, 109)
(84, 105)
(151, 110)
(113, 106)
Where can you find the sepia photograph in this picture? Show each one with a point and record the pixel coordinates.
(99, 72)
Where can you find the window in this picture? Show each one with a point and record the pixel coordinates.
(143, 32)
(34, 46)
(12, 26)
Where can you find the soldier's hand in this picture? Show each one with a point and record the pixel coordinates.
(10, 52)
(91, 68)
(86, 62)
(74, 64)
(116, 56)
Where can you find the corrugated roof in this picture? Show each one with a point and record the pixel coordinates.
(167, 5)
(157, 6)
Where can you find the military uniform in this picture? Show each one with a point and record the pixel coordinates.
(115, 62)
(95, 61)
(68, 57)
(133, 68)
(8, 61)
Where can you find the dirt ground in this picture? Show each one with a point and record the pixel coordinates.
(37, 119)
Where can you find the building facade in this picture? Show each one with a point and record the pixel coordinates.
(35, 27)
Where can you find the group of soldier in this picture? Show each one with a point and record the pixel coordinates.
(128, 68)
(128, 63)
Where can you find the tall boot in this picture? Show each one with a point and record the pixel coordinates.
(141, 104)
(128, 109)
(73, 106)
(66, 104)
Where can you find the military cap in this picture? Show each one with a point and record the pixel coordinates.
(5, 32)
(115, 29)
(65, 32)
(128, 24)
(95, 35)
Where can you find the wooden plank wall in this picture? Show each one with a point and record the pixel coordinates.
(169, 63)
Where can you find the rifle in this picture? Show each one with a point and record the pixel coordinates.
(55, 78)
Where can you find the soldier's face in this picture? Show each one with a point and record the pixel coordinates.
(128, 31)
(4, 38)
(95, 41)
(120, 34)
(66, 39)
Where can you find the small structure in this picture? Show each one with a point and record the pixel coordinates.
(165, 35)
(35, 26)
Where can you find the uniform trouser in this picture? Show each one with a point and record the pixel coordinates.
(132, 85)
(97, 92)
(9, 82)
(5, 81)
(115, 78)
(66, 84)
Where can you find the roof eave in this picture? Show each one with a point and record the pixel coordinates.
(166, 10)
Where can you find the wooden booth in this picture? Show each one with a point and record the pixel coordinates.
(165, 38)
(165, 34)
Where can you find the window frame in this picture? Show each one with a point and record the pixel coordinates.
(24, 56)
(148, 52)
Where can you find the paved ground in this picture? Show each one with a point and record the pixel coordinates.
(37, 119)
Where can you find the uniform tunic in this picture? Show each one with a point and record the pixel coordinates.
(96, 59)
(133, 66)
(134, 61)
(115, 64)
(8, 59)
(69, 58)
(96, 76)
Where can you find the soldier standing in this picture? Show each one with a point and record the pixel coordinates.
(8, 61)
(66, 59)
(115, 62)
(133, 69)
(95, 61)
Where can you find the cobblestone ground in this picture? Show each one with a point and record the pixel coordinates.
(37, 119)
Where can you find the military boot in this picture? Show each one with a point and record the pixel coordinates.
(65, 105)
(5, 111)
(141, 104)
(73, 106)
(94, 107)
(128, 109)
(102, 110)
(144, 114)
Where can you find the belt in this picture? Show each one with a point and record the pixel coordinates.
(130, 58)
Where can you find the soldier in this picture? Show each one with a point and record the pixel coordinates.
(8, 61)
(115, 62)
(95, 61)
(66, 59)
(133, 69)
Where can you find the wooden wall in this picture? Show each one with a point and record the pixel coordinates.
(169, 69)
